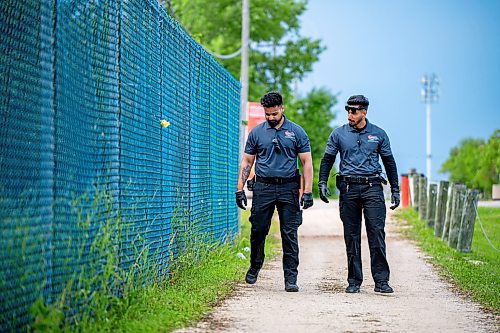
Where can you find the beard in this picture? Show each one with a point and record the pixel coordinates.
(354, 123)
(274, 123)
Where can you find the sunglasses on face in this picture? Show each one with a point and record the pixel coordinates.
(354, 109)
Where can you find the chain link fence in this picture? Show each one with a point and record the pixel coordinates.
(84, 87)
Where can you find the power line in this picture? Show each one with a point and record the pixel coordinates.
(168, 6)
(222, 56)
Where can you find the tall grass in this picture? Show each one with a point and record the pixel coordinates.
(196, 287)
(476, 273)
(106, 297)
(97, 281)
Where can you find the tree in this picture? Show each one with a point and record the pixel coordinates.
(489, 166)
(279, 55)
(475, 163)
(314, 113)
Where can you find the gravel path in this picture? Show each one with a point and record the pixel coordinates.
(422, 302)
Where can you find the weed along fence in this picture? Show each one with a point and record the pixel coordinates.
(450, 209)
(119, 144)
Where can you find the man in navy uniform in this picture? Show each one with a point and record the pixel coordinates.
(360, 144)
(274, 146)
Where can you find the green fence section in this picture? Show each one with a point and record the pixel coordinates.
(84, 86)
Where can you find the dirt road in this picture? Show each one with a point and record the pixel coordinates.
(422, 302)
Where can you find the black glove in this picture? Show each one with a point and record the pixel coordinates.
(324, 191)
(307, 200)
(241, 198)
(395, 199)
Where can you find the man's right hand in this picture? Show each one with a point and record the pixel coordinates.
(324, 191)
(395, 198)
(241, 198)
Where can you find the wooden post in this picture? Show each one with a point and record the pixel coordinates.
(456, 215)
(431, 205)
(415, 182)
(449, 208)
(468, 220)
(422, 201)
(411, 174)
(442, 197)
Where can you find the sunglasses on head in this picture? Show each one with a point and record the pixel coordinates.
(353, 109)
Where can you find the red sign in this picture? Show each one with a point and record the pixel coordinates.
(255, 115)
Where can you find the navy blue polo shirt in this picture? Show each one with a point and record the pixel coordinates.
(269, 162)
(359, 150)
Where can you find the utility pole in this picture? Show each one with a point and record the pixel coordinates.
(245, 40)
(429, 95)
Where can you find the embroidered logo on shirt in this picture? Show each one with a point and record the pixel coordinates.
(289, 134)
(372, 138)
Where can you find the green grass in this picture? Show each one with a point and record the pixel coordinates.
(200, 279)
(476, 273)
(190, 294)
(195, 289)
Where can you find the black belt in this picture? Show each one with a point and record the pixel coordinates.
(360, 179)
(276, 180)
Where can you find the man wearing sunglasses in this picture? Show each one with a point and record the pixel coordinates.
(360, 144)
(274, 146)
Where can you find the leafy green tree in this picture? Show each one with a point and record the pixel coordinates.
(463, 161)
(278, 55)
(475, 163)
(489, 166)
(314, 114)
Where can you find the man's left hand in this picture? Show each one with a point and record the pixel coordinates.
(307, 200)
(395, 199)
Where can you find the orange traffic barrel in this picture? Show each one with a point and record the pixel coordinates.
(405, 190)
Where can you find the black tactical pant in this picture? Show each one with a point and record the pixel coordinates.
(356, 199)
(284, 197)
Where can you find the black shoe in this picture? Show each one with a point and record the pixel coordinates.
(352, 288)
(383, 287)
(251, 276)
(291, 287)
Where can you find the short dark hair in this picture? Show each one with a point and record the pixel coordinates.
(270, 99)
(358, 100)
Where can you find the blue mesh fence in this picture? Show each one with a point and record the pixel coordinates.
(83, 158)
